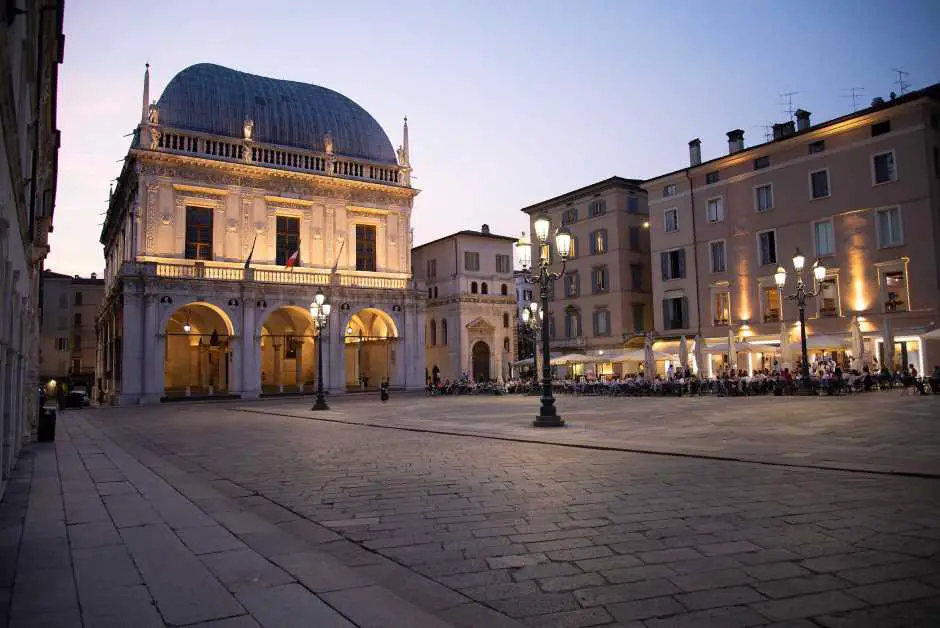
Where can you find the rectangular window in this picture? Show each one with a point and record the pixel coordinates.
(894, 292)
(61, 344)
(365, 248)
(829, 298)
(78, 319)
(572, 284)
(761, 162)
(671, 220)
(633, 205)
(823, 238)
(599, 241)
(569, 216)
(721, 309)
(77, 342)
(77, 365)
(711, 177)
(819, 184)
(527, 296)
(669, 190)
(572, 323)
(880, 128)
(633, 233)
(432, 269)
(198, 233)
(767, 247)
(883, 166)
(672, 264)
(287, 239)
(717, 255)
(503, 263)
(817, 147)
(471, 260)
(764, 197)
(78, 298)
(636, 277)
(600, 280)
(675, 313)
(715, 212)
(639, 316)
(598, 207)
(573, 253)
(889, 227)
(601, 323)
(772, 305)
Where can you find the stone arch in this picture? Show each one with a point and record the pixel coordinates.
(444, 332)
(480, 361)
(371, 346)
(198, 349)
(432, 336)
(504, 290)
(287, 351)
(484, 289)
(473, 287)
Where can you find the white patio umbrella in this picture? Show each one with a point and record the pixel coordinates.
(649, 367)
(858, 348)
(683, 352)
(785, 348)
(732, 354)
(699, 354)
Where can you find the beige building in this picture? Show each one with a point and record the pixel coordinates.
(605, 296)
(31, 49)
(67, 342)
(240, 197)
(471, 308)
(860, 192)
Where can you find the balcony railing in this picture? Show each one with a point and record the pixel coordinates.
(214, 271)
(244, 151)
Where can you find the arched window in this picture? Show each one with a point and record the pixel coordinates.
(504, 290)
(473, 287)
(430, 292)
(444, 331)
(435, 292)
(433, 332)
(484, 289)
(506, 345)
(505, 319)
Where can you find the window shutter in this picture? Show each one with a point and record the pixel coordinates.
(664, 262)
(685, 313)
(681, 263)
(667, 324)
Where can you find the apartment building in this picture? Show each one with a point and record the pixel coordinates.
(67, 340)
(605, 295)
(861, 193)
(471, 304)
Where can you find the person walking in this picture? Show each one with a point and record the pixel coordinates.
(383, 391)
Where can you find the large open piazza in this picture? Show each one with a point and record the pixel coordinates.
(455, 511)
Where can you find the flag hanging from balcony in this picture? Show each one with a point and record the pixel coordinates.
(294, 259)
(251, 252)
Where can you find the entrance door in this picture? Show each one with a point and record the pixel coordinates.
(481, 361)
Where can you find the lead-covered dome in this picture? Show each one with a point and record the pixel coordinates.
(214, 99)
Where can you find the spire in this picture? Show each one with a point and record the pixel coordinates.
(145, 109)
(405, 149)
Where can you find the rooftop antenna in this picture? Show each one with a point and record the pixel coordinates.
(768, 128)
(855, 93)
(787, 97)
(902, 84)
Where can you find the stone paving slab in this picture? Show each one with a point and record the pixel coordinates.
(93, 534)
(537, 534)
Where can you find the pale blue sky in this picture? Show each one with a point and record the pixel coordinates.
(509, 103)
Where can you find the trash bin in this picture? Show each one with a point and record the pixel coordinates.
(45, 433)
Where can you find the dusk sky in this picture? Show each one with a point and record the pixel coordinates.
(508, 103)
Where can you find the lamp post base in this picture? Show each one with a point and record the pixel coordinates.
(320, 404)
(548, 421)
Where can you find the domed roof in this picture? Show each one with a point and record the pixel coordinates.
(213, 99)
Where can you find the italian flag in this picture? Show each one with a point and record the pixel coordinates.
(294, 259)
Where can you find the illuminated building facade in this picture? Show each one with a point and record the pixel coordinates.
(860, 192)
(240, 196)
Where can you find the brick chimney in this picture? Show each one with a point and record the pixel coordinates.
(695, 152)
(735, 141)
(783, 129)
(802, 119)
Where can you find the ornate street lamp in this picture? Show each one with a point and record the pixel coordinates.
(532, 317)
(819, 273)
(320, 311)
(544, 277)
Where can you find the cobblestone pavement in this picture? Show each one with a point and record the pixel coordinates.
(551, 535)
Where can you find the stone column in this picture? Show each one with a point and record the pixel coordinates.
(299, 365)
(277, 367)
(190, 352)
